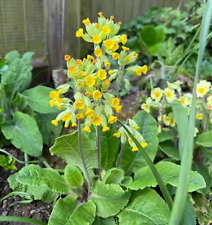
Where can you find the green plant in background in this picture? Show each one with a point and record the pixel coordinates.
(110, 177)
(25, 113)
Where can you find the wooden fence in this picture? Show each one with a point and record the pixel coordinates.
(48, 27)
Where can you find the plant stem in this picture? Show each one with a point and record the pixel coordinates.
(26, 159)
(82, 157)
(21, 219)
(207, 122)
(98, 152)
(45, 162)
(157, 176)
(120, 155)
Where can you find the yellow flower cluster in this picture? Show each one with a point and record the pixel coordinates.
(172, 94)
(92, 76)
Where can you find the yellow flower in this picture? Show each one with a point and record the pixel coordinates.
(59, 107)
(54, 95)
(74, 124)
(86, 21)
(107, 64)
(52, 103)
(96, 120)
(199, 116)
(118, 108)
(106, 82)
(67, 117)
(156, 94)
(97, 95)
(100, 14)
(117, 135)
(143, 144)
(86, 129)
(55, 122)
(105, 128)
(96, 39)
(87, 94)
(145, 107)
(125, 48)
(123, 39)
(131, 140)
(112, 119)
(109, 44)
(67, 57)
(79, 83)
(79, 104)
(82, 73)
(170, 95)
(119, 23)
(98, 52)
(137, 128)
(134, 149)
(115, 56)
(101, 74)
(72, 69)
(66, 125)
(128, 57)
(90, 81)
(115, 102)
(115, 46)
(138, 71)
(80, 116)
(90, 57)
(79, 61)
(110, 72)
(79, 33)
(202, 88)
(97, 25)
(105, 29)
(111, 17)
(89, 112)
(144, 69)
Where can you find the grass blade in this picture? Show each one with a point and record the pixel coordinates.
(182, 189)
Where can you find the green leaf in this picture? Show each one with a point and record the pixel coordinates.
(131, 161)
(47, 129)
(68, 212)
(205, 139)
(181, 118)
(164, 136)
(24, 134)
(168, 147)
(36, 176)
(38, 99)
(109, 198)
(170, 175)
(7, 163)
(73, 176)
(189, 216)
(68, 149)
(102, 221)
(38, 193)
(109, 148)
(145, 207)
(113, 176)
(17, 76)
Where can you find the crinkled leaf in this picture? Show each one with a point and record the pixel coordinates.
(131, 161)
(164, 136)
(205, 139)
(145, 207)
(36, 176)
(109, 148)
(68, 211)
(68, 149)
(73, 176)
(168, 147)
(47, 129)
(113, 176)
(109, 198)
(24, 134)
(7, 163)
(169, 172)
(38, 193)
(38, 99)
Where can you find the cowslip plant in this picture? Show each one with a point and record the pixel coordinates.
(24, 113)
(102, 182)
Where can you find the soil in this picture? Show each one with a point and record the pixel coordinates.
(37, 209)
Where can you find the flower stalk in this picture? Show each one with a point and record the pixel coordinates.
(98, 151)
